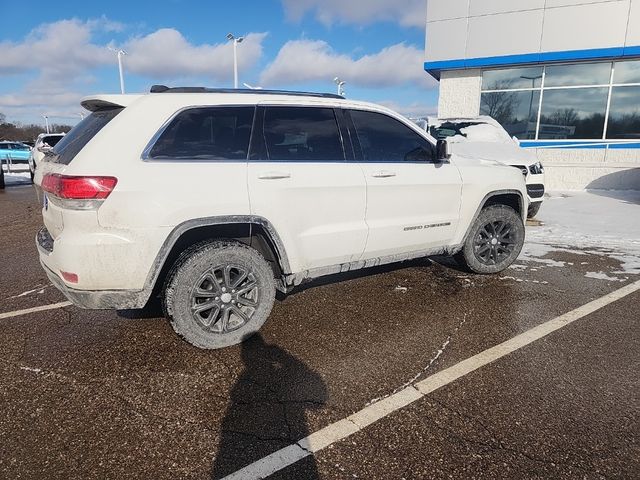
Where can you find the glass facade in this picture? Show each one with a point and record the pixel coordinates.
(585, 101)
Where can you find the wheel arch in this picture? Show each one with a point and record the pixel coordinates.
(254, 231)
(511, 198)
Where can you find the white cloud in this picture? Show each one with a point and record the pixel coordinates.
(408, 13)
(57, 50)
(301, 61)
(165, 53)
(59, 61)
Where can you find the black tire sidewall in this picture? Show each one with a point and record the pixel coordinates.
(489, 214)
(190, 268)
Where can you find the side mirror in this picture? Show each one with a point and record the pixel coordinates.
(44, 149)
(443, 152)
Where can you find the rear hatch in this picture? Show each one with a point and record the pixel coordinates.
(62, 155)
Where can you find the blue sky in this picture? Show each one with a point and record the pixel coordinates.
(55, 53)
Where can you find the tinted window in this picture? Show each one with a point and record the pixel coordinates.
(81, 134)
(624, 113)
(627, 72)
(573, 113)
(302, 134)
(529, 77)
(385, 139)
(581, 74)
(208, 133)
(517, 112)
(52, 140)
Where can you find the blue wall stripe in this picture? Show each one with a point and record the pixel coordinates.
(582, 144)
(434, 68)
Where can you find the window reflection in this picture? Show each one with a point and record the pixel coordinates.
(624, 113)
(573, 113)
(580, 74)
(512, 78)
(627, 72)
(517, 112)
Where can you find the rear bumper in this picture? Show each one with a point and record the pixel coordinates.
(91, 299)
(98, 299)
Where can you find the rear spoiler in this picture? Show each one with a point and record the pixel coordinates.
(100, 102)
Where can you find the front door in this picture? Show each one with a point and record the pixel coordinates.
(413, 201)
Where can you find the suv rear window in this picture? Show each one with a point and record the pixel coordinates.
(74, 141)
(206, 133)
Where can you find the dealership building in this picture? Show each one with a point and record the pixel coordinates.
(563, 76)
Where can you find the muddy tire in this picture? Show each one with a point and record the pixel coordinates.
(494, 240)
(219, 293)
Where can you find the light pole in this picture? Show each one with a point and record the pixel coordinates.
(120, 53)
(340, 85)
(46, 121)
(533, 85)
(236, 40)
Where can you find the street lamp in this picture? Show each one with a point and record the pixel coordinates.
(340, 85)
(120, 53)
(236, 41)
(46, 121)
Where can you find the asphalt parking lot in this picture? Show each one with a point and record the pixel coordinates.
(100, 394)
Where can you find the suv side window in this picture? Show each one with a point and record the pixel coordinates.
(385, 139)
(302, 134)
(206, 133)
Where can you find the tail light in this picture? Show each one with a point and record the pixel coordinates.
(78, 188)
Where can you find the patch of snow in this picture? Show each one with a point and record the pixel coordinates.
(597, 222)
(31, 369)
(401, 289)
(17, 178)
(603, 276)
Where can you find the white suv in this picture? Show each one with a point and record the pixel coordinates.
(213, 199)
(44, 144)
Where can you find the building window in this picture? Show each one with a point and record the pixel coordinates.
(587, 101)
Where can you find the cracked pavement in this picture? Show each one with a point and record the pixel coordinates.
(100, 394)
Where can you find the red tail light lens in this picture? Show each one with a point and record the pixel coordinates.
(78, 188)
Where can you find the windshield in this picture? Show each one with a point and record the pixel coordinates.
(471, 130)
(19, 146)
(74, 141)
(52, 140)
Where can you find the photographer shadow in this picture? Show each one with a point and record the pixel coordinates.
(267, 408)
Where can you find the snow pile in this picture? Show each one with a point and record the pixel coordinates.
(17, 178)
(601, 222)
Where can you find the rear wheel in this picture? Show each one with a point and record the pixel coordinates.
(219, 293)
(494, 242)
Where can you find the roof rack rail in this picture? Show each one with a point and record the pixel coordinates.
(165, 89)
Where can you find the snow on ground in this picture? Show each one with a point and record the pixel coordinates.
(603, 222)
(17, 178)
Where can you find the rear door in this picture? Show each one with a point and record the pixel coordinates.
(413, 201)
(300, 181)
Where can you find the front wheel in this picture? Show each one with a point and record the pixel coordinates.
(219, 293)
(494, 241)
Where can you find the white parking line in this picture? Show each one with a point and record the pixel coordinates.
(41, 308)
(374, 412)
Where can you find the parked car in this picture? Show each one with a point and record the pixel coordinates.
(44, 143)
(14, 152)
(214, 199)
(484, 137)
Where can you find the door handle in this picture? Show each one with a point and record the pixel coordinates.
(383, 174)
(273, 175)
